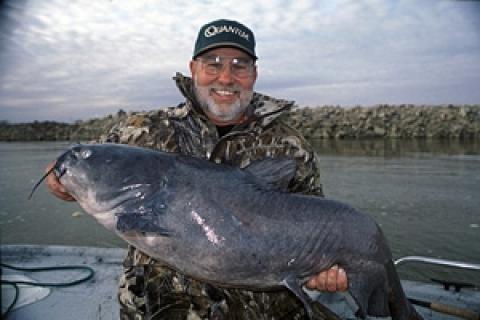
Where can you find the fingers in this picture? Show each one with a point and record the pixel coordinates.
(342, 281)
(331, 280)
(55, 187)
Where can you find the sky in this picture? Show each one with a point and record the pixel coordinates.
(66, 60)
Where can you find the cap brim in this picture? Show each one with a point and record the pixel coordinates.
(225, 45)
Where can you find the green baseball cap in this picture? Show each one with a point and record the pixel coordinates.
(224, 33)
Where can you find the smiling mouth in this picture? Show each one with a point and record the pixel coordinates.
(224, 93)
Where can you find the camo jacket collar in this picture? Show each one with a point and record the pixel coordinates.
(262, 108)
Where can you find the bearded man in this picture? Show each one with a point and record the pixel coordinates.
(224, 120)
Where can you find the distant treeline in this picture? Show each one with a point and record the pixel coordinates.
(59, 131)
(325, 122)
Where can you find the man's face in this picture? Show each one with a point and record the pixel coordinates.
(223, 80)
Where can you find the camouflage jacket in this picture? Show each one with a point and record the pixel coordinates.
(149, 290)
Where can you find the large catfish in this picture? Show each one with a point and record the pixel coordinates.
(233, 227)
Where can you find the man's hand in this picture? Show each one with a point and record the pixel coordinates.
(55, 186)
(331, 280)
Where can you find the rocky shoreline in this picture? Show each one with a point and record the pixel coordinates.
(326, 122)
(386, 121)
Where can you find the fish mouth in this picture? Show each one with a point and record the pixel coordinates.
(59, 169)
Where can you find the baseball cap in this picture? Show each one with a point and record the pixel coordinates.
(224, 33)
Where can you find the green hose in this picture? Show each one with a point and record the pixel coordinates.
(15, 284)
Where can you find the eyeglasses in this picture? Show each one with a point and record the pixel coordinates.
(239, 67)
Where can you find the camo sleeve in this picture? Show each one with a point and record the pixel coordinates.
(147, 129)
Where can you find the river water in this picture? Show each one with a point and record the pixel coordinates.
(425, 196)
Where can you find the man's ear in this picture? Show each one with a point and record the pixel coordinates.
(193, 66)
(255, 73)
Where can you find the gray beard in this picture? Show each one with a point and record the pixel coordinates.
(207, 103)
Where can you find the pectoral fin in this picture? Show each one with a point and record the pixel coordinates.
(144, 224)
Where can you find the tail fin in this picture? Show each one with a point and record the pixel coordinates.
(400, 307)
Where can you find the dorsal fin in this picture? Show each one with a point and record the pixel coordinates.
(277, 172)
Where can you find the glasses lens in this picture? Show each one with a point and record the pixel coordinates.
(239, 67)
(242, 68)
(212, 65)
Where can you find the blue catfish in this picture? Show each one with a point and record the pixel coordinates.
(233, 227)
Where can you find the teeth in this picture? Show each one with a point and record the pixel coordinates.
(224, 93)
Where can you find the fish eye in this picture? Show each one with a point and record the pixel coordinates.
(81, 152)
(85, 153)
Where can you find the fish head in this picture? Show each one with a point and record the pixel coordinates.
(102, 177)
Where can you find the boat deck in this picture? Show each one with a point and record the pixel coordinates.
(96, 298)
(93, 299)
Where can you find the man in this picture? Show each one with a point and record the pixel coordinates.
(225, 121)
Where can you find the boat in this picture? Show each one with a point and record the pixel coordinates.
(83, 286)
(92, 299)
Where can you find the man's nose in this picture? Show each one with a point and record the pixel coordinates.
(225, 77)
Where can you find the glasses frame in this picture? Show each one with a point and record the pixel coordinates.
(240, 67)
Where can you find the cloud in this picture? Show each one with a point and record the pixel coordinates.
(66, 60)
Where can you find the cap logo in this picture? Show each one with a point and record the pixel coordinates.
(214, 30)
